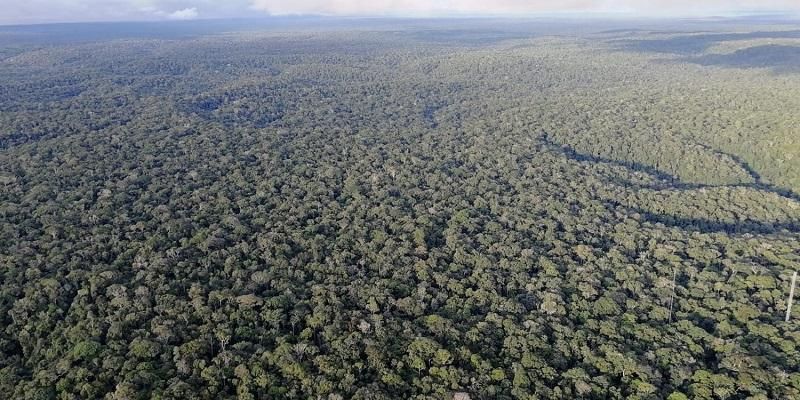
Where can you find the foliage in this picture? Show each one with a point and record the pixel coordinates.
(349, 215)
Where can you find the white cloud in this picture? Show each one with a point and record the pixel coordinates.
(186, 13)
(444, 7)
(35, 11)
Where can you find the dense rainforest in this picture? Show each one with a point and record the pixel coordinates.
(401, 212)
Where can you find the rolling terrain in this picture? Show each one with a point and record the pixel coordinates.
(369, 210)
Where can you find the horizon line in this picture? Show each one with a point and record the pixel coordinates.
(565, 15)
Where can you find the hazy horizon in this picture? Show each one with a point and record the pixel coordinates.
(67, 11)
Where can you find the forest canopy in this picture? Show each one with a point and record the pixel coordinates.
(418, 211)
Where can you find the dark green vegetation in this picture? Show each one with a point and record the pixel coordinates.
(401, 214)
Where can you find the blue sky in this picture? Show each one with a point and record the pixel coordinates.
(37, 11)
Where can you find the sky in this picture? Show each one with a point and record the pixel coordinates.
(42, 11)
